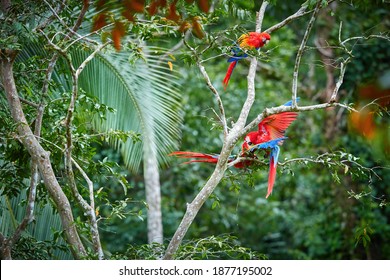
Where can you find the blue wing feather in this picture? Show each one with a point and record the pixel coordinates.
(268, 145)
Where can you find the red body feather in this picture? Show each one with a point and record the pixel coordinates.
(270, 128)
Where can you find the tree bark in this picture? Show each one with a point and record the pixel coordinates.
(39, 155)
(153, 194)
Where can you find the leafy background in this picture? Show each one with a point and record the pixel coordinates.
(316, 211)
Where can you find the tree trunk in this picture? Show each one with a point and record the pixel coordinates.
(153, 194)
(39, 155)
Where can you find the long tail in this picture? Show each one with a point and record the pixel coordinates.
(273, 162)
(229, 73)
(196, 157)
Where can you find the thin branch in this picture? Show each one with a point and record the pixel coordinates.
(339, 81)
(51, 17)
(298, 14)
(91, 211)
(203, 71)
(300, 53)
(324, 159)
(280, 109)
(80, 18)
(32, 104)
(384, 37)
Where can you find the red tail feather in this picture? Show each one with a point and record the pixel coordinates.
(229, 73)
(197, 157)
(271, 176)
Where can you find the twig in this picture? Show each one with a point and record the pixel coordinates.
(300, 53)
(91, 211)
(323, 159)
(203, 71)
(339, 81)
(51, 17)
(32, 104)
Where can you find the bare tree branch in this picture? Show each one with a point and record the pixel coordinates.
(300, 53)
(88, 209)
(222, 116)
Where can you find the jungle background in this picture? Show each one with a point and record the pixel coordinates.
(330, 199)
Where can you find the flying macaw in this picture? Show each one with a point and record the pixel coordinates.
(247, 41)
(268, 137)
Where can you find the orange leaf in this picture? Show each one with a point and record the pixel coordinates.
(204, 5)
(154, 5)
(117, 33)
(184, 26)
(100, 4)
(99, 22)
(197, 29)
(135, 6)
(172, 14)
(153, 8)
(128, 15)
(116, 37)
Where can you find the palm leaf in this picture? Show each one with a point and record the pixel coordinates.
(144, 96)
(12, 211)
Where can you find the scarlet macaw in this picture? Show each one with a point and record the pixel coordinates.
(269, 136)
(247, 41)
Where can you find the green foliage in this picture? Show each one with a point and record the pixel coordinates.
(224, 247)
(43, 238)
(330, 196)
(219, 247)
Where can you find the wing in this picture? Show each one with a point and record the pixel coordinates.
(269, 144)
(243, 41)
(276, 125)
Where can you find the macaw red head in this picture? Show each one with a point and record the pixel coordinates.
(254, 40)
(265, 38)
(250, 140)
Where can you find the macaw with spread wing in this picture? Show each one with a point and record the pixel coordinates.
(247, 41)
(269, 136)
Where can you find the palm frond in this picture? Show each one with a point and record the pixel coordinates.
(12, 211)
(144, 96)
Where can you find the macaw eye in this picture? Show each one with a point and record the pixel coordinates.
(250, 143)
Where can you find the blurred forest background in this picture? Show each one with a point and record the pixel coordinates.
(330, 199)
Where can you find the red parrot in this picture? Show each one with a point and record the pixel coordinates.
(270, 129)
(247, 41)
(269, 136)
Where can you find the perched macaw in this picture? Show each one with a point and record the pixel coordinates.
(251, 40)
(268, 137)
